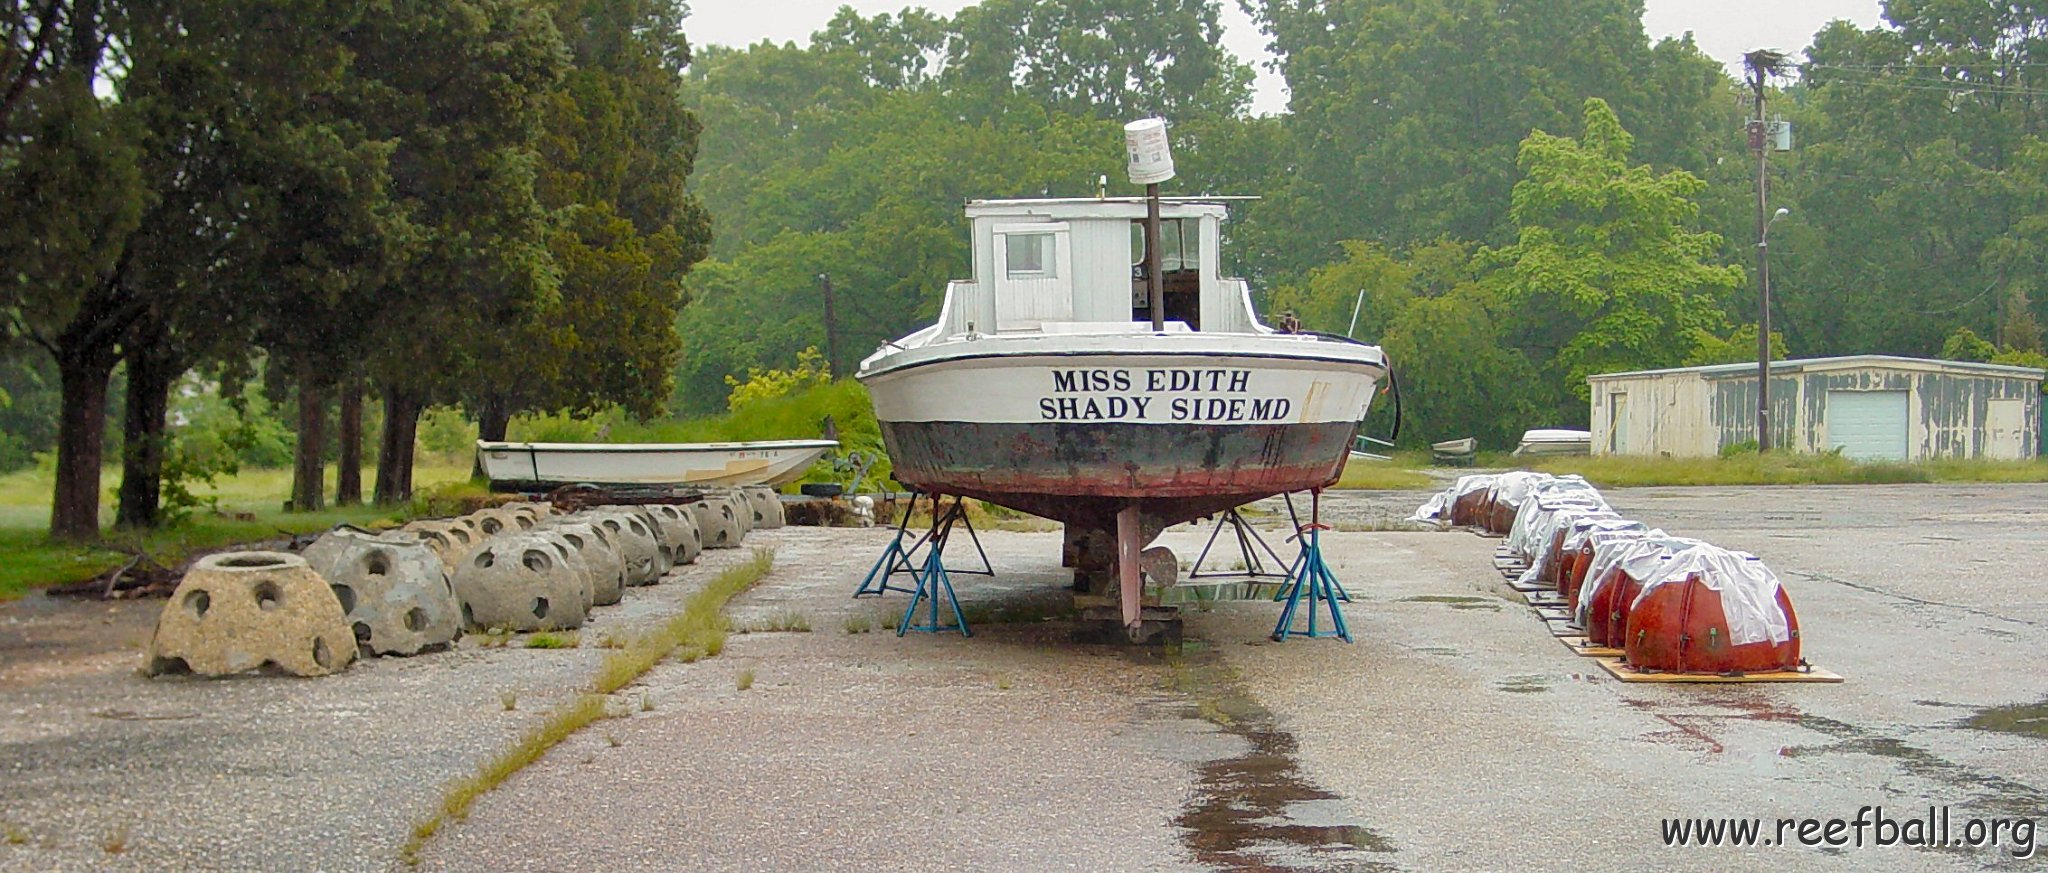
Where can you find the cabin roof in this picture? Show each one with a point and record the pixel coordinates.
(1100, 207)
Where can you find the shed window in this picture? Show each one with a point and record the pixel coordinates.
(1030, 256)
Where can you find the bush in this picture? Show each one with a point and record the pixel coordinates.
(1746, 447)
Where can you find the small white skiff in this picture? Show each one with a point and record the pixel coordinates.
(772, 462)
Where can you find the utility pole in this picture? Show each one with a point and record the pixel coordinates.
(1155, 284)
(1762, 63)
(831, 327)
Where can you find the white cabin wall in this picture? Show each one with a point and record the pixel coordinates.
(1102, 269)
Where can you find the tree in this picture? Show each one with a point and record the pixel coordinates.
(1605, 267)
(615, 156)
(463, 119)
(73, 192)
(1406, 115)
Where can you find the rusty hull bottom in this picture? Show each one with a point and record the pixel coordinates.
(1084, 474)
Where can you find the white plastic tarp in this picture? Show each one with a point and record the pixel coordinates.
(1748, 589)
(1564, 518)
(1437, 509)
(1532, 520)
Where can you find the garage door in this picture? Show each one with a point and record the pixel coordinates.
(1868, 425)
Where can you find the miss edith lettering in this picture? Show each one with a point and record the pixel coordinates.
(1205, 395)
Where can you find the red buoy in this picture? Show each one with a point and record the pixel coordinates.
(1468, 508)
(1681, 625)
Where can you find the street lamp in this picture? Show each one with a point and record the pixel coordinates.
(1763, 332)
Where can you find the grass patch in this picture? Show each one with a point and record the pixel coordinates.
(1785, 468)
(251, 503)
(859, 623)
(745, 680)
(551, 640)
(700, 628)
(1382, 476)
(784, 621)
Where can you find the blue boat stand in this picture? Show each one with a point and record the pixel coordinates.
(900, 559)
(1311, 576)
(933, 580)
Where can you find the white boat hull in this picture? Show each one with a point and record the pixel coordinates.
(1067, 426)
(772, 463)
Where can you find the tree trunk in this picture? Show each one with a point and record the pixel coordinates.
(144, 441)
(348, 481)
(493, 419)
(491, 422)
(81, 437)
(394, 449)
(309, 471)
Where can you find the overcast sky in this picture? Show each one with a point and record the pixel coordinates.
(1724, 28)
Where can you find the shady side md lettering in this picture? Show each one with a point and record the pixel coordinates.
(1165, 394)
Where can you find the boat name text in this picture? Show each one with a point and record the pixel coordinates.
(1103, 395)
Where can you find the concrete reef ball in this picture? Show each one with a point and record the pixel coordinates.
(594, 544)
(767, 508)
(573, 561)
(238, 611)
(742, 515)
(717, 522)
(520, 584)
(636, 542)
(679, 527)
(393, 588)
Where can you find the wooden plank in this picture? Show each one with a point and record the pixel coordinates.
(1546, 597)
(1554, 613)
(1625, 673)
(1533, 586)
(1584, 648)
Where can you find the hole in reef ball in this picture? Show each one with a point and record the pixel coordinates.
(199, 602)
(362, 631)
(484, 559)
(540, 607)
(347, 596)
(415, 619)
(267, 595)
(321, 655)
(536, 560)
(490, 526)
(377, 563)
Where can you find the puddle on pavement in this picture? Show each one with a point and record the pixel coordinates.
(1456, 602)
(1523, 684)
(2026, 719)
(1988, 791)
(1258, 811)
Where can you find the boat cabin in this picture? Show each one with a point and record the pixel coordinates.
(1069, 266)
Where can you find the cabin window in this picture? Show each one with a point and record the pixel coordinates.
(1030, 256)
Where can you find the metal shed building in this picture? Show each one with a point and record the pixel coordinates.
(1872, 407)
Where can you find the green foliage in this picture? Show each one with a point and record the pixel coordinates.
(1965, 345)
(1605, 252)
(445, 432)
(1739, 347)
(810, 372)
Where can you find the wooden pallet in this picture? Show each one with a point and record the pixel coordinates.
(1546, 597)
(1625, 673)
(1563, 627)
(1531, 587)
(1584, 648)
